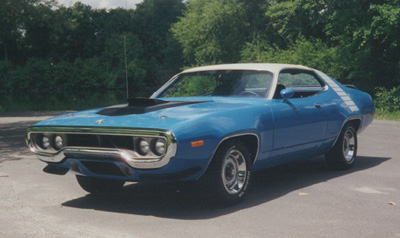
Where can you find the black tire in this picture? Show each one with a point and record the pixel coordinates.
(228, 175)
(99, 185)
(343, 154)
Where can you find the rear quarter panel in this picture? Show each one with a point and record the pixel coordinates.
(350, 104)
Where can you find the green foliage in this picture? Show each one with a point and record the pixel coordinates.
(113, 59)
(56, 101)
(313, 53)
(36, 72)
(212, 31)
(13, 15)
(384, 115)
(388, 100)
(298, 18)
(5, 68)
(354, 41)
(48, 47)
(153, 19)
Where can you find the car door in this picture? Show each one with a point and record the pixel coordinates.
(300, 122)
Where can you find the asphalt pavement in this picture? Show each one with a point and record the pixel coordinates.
(302, 199)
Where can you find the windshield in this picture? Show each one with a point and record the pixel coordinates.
(239, 83)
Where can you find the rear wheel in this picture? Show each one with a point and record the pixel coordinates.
(228, 175)
(343, 153)
(99, 185)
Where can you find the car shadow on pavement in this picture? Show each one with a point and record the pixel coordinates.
(182, 201)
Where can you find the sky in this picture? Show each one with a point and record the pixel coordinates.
(102, 3)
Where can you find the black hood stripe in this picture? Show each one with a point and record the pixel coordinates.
(142, 105)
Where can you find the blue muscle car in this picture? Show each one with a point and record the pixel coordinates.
(215, 124)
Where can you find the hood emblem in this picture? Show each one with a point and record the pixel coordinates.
(98, 122)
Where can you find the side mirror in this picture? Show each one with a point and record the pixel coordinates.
(287, 93)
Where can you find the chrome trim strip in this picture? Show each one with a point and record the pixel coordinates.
(96, 130)
(131, 157)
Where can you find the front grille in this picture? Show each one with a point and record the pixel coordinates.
(54, 144)
(103, 141)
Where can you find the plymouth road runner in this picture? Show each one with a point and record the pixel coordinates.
(215, 124)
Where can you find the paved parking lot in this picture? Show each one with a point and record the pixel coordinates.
(303, 199)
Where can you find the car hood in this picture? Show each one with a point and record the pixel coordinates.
(167, 118)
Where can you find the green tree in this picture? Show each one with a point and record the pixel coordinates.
(74, 34)
(38, 30)
(212, 31)
(359, 37)
(296, 18)
(313, 53)
(152, 20)
(13, 15)
(113, 59)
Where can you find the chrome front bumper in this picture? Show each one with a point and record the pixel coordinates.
(130, 156)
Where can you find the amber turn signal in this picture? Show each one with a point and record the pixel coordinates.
(197, 143)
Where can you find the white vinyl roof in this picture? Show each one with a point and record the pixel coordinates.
(274, 68)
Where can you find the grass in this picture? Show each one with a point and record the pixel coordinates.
(384, 115)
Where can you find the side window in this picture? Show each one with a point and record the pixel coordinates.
(258, 83)
(298, 80)
(304, 83)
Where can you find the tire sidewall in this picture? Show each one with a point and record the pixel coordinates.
(355, 147)
(214, 174)
(336, 156)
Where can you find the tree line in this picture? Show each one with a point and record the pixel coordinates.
(45, 46)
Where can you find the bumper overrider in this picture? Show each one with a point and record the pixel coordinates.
(138, 148)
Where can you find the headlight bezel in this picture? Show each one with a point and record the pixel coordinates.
(48, 142)
(151, 146)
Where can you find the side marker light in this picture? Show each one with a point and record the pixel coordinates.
(197, 143)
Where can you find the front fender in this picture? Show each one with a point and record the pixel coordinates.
(210, 132)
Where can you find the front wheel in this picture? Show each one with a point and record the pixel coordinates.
(343, 153)
(228, 175)
(99, 185)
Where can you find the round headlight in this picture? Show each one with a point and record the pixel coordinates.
(160, 146)
(45, 142)
(144, 147)
(58, 142)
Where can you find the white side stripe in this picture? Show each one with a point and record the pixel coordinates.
(344, 96)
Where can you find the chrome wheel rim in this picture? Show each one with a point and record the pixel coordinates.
(349, 145)
(234, 171)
